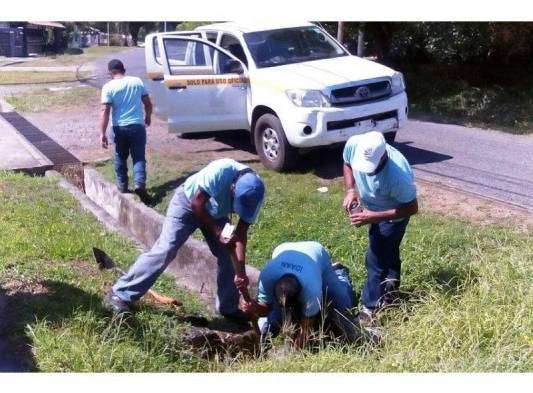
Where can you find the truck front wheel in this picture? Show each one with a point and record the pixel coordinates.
(271, 144)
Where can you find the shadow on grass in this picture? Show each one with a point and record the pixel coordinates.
(159, 192)
(52, 301)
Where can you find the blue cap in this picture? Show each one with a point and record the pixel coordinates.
(249, 194)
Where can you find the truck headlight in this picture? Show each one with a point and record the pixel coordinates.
(308, 98)
(398, 83)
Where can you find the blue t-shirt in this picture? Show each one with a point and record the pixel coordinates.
(216, 179)
(124, 95)
(393, 186)
(308, 261)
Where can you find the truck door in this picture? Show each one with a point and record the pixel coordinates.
(155, 71)
(207, 87)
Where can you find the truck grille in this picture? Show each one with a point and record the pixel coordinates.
(361, 93)
(340, 124)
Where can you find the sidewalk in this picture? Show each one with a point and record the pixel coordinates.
(16, 153)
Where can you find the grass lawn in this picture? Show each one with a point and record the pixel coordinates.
(468, 297)
(41, 100)
(34, 77)
(54, 289)
(89, 54)
(486, 97)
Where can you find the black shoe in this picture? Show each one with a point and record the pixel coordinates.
(113, 303)
(143, 195)
(368, 322)
(123, 189)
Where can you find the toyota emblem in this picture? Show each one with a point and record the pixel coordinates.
(362, 92)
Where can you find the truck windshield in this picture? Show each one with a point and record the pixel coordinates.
(294, 45)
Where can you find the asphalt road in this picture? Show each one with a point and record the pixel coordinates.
(488, 163)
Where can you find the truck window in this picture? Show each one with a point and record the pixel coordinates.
(294, 45)
(157, 55)
(233, 46)
(187, 57)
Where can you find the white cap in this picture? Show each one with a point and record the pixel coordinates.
(368, 152)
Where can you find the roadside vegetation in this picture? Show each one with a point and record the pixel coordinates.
(54, 290)
(467, 298)
(64, 99)
(474, 96)
(72, 59)
(36, 77)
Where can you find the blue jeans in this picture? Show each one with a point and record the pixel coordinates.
(382, 261)
(130, 139)
(179, 224)
(337, 290)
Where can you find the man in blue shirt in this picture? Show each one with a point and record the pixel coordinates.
(123, 98)
(380, 191)
(206, 201)
(294, 283)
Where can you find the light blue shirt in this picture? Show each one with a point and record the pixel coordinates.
(308, 261)
(124, 95)
(393, 186)
(216, 179)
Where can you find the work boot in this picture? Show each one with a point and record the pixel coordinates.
(143, 195)
(115, 304)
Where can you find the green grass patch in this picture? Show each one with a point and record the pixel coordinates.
(467, 292)
(89, 54)
(41, 100)
(55, 289)
(487, 97)
(36, 77)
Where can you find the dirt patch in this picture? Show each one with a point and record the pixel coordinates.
(454, 203)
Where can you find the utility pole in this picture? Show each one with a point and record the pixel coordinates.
(360, 43)
(340, 34)
(108, 37)
(165, 26)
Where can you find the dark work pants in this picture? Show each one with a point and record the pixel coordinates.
(382, 259)
(130, 140)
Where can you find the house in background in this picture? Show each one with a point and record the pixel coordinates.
(22, 39)
(87, 37)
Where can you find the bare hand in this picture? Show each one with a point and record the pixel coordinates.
(241, 282)
(147, 121)
(104, 141)
(248, 308)
(363, 218)
(351, 197)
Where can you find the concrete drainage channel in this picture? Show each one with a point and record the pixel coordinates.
(194, 266)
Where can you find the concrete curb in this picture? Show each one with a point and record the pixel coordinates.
(87, 204)
(194, 266)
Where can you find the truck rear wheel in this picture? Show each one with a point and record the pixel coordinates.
(271, 144)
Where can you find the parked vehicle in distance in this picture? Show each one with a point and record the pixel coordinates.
(292, 86)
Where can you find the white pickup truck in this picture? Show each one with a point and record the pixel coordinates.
(292, 86)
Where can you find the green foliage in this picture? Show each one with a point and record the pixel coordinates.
(56, 289)
(466, 294)
(41, 100)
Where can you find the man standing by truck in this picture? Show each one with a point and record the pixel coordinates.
(123, 98)
(206, 200)
(380, 191)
